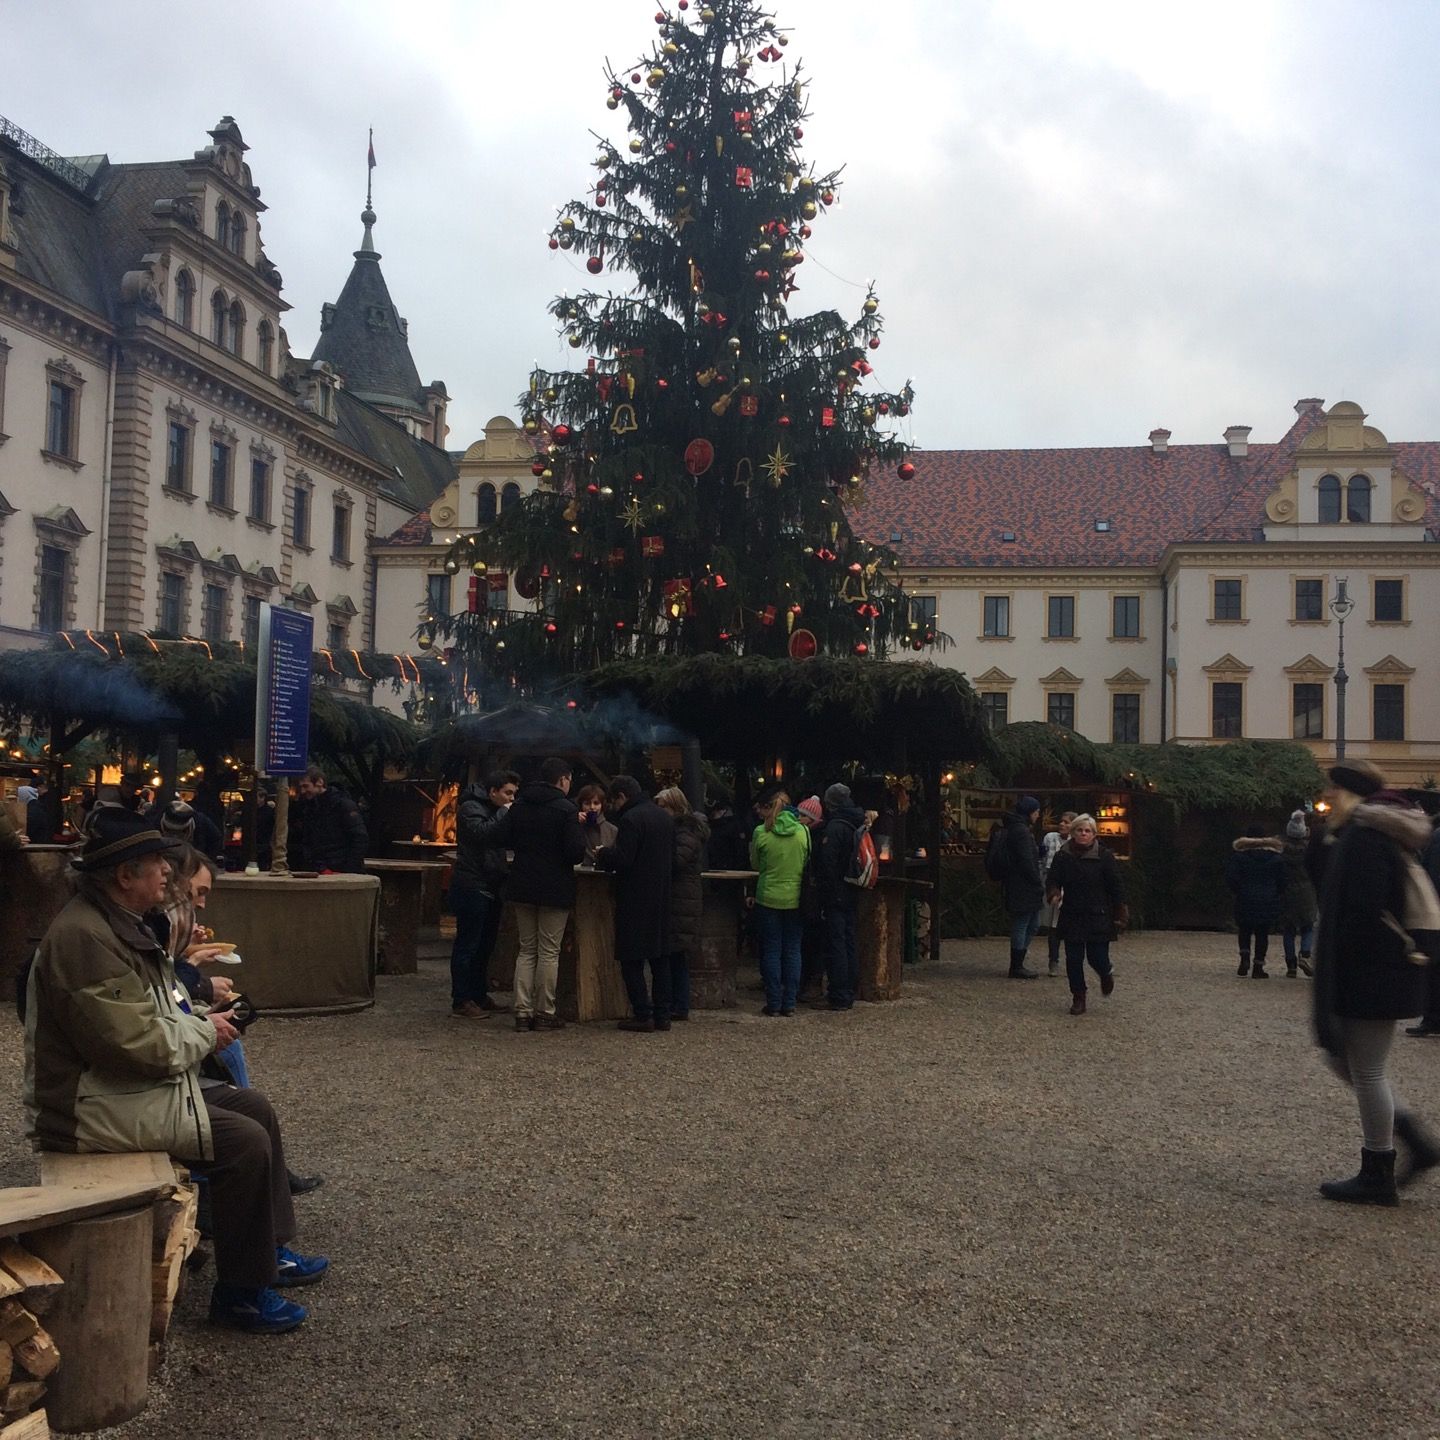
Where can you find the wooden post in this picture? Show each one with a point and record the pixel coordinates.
(169, 754)
(100, 1320)
(934, 829)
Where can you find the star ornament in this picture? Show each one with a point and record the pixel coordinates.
(776, 465)
(631, 517)
(684, 216)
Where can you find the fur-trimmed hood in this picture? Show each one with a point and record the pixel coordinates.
(1259, 842)
(1396, 819)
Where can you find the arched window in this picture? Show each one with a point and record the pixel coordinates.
(508, 496)
(219, 310)
(235, 330)
(185, 300)
(222, 224)
(1329, 499)
(1357, 500)
(265, 347)
(237, 234)
(485, 504)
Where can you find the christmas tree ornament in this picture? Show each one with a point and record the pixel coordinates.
(677, 598)
(596, 263)
(861, 648)
(623, 421)
(873, 342)
(452, 566)
(636, 145)
(551, 628)
(699, 456)
(803, 645)
(554, 243)
(749, 406)
(744, 474)
(632, 517)
(767, 615)
(827, 417)
(424, 640)
(871, 305)
(478, 567)
(744, 177)
(777, 465)
(616, 557)
(905, 470)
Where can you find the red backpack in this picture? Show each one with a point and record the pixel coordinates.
(864, 869)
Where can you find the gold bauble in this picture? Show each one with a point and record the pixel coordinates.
(707, 14)
(655, 78)
(636, 145)
(871, 305)
(567, 241)
(530, 425)
(552, 395)
(612, 103)
(671, 48)
(567, 223)
(809, 210)
(681, 191)
(575, 341)
(479, 568)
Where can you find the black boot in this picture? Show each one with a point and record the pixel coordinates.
(1374, 1185)
(1244, 967)
(1422, 1150)
(1017, 967)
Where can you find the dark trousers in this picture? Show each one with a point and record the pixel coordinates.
(477, 923)
(1077, 953)
(249, 1186)
(656, 1000)
(813, 945)
(1432, 997)
(1261, 936)
(1290, 934)
(842, 956)
(679, 982)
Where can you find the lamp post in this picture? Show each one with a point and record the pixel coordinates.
(1340, 608)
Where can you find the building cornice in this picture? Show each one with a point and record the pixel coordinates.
(71, 325)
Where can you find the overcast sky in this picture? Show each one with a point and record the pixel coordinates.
(1084, 220)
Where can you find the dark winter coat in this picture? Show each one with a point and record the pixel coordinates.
(1093, 907)
(837, 848)
(40, 821)
(480, 864)
(1255, 874)
(1298, 905)
(1430, 859)
(1021, 888)
(542, 827)
(1362, 965)
(687, 890)
(332, 833)
(641, 857)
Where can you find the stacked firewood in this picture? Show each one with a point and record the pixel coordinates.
(175, 1240)
(28, 1356)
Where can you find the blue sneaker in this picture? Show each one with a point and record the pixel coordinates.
(261, 1312)
(298, 1269)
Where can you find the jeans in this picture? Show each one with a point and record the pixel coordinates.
(1261, 934)
(477, 923)
(843, 957)
(780, 934)
(679, 982)
(233, 1056)
(537, 961)
(1307, 937)
(1077, 952)
(1023, 928)
(656, 1000)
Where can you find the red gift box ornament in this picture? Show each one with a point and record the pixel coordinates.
(744, 177)
(473, 599)
(652, 546)
(749, 405)
(827, 416)
(767, 615)
(499, 582)
(677, 596)
(617, 556)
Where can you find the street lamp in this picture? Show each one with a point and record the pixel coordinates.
(1340, 608)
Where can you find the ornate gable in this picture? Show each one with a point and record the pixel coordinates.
(1389, 668)
(1310, 667)
(1061, 677)
(1227, 664)
(994, 676)
(1127, 679)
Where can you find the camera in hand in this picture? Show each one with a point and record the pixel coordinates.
(240, 1012)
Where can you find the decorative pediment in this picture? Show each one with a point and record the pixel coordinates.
(60, 368)
(63, 519)
(178, 548)
(1345, 434)
(180, 412)
(1227, 664)
(1127, 679)
(6, 508)
(1061, 677)
(218, 560)
(303, 594)
(994, 676)
(258, 574)
(1389, 667)
(1310, 666)
(341, 605)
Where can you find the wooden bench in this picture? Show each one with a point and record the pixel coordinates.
(116, 1229)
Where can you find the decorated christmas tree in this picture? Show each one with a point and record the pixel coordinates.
(698, 464)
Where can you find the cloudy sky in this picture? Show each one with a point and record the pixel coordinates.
(1084, 220)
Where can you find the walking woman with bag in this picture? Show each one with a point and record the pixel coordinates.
(1085, 882)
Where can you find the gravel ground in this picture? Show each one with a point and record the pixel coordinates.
(963, 1214)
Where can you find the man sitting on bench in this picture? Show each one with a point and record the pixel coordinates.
(113, 1063)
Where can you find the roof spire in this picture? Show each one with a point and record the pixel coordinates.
(367, 215)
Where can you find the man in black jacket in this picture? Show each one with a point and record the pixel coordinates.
(476, 885)
(838, 900)
(542, 827)
(1020, 882)
(332, 831)
(641, 857)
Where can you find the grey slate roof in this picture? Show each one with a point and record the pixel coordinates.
(56, 232)
(365, 341)
(416, 471)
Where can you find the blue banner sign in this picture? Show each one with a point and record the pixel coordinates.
(282, 691)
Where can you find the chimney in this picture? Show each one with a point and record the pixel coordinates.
(1159, 441)
(1237, 437)
(1309, 406)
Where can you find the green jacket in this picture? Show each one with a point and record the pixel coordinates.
(780, 855)
(111, 1060)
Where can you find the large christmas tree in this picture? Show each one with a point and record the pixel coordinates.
(698, 466)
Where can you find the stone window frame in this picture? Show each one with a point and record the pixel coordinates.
(1404, 583)
(1138, 696)
(222, 224)
(218, 578)
(4, 358)
(185, 291)
(239, 233)
(342, 502)
(1062, 693)
(487, 497)
(60, 532)
(1229, 671)
(222, 434)
(236, 320)
(257, 583)
(993, 699)
(59, 371)
(303, 483)
(1241, 618)
(432, 611)
(1115, 597)
(1308, 681)
(1074, 599)
(265, 345)
(1008, 596)
(261, 454)
(510, 494)
(1324, 582)
(180, 415)
(219, 313)
(181, 566)
(1391, 682)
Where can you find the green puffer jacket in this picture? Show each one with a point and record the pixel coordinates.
(780, 855)
(111, 1060)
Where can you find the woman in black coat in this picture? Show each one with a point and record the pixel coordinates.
(1085, 882)
(1298, 905)
(1379, 925)
(641, 857)
(1255, 874)
(687, 894)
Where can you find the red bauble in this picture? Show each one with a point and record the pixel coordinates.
(551, 627)
(660, 17)
(902, 409)
(906, 470)
(616, 93)
(594, 264)
(619, 624)
(662, 384)
(554, 243)
(799, 133)
(883, 407)
(683, 4)
(803, 645)
(537, 467)
(861, 648)
(783, 422)
(874, 342)
(699, 456)
(635, 78)
(592, 488)
(560, 434)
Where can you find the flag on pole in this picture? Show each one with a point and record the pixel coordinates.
(372, 150)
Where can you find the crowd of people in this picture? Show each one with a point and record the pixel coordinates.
(518, 845)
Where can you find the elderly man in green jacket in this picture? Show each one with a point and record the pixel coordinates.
(116, 1061)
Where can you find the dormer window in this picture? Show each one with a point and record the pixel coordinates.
(235, 328)
(265, 347)
(237, 234)
(219, 316)
(1348, 502)
(222, 224)
(485, 504)
(1329, 489)
(509, 496)
(1357, 500)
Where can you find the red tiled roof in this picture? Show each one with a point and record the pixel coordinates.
(416, 530)
(961, 502)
